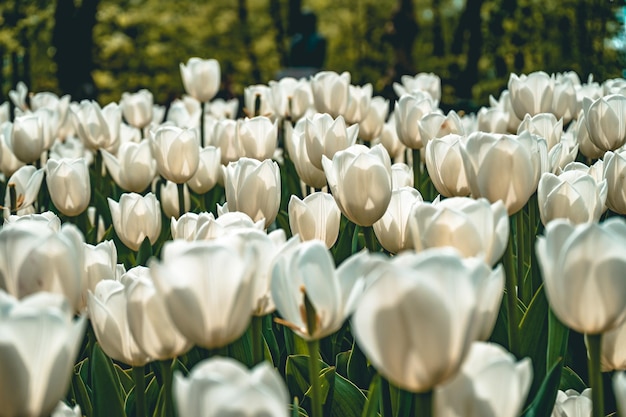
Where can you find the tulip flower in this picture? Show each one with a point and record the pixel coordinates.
(100, 263)
(134, 168)
(35, 257)
(359, 103)
(331, 92)
(504, 167)
(360, 180)
(98, 128)
(504, 104)
(40, 343)
(371, 125)
(201, 78)
(177, 153)
(18, 96)
(222, 386)
(614, 172)
(291, 98)
(47, 218)
(493, 120)
(258, 137)
(605, 119)
(295, 144)
(63, 410)
(408, 111)
(253, 187)
(445, 165)
(324, 135)
(573, 195)
(224, 137)
(27, 138)
(564, 101)
(490, 383)
(169, 198)
(107, 307)
(185, 113)
(210, 281)
(209, 172)
(587, 147)
(571, 403)
(315, 217)
(392, 230)
(619, 388)
(136, 217)
(204, 226)
(68, 185)
(436, 298)
(257, 101)
(137, 108)
(544, 125)
(436, 125)
(613, 354)
(401, 176)
(531, 94)
(389, 139)
(223, 109)
(26, 182)
(423, 82)
(9, 163)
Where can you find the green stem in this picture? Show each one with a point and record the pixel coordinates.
(314, 376)
(417, 174)
(424, 404)
(202, 109)
(257, 340)
(140, 390)
(181, 199)
(385, 393)
(12, 199)
(166, 372)
(511, 295)
(594, 344)
(520, 236)
(370, 238)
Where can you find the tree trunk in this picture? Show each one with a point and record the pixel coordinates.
(276, 13)
(469, 76)
(438, 42)
(247, 41)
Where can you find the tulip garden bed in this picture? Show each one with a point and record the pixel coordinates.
(320, 257)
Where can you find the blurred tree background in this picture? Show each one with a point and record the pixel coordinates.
(100, 48)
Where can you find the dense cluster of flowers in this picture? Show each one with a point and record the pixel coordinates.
(320, 255)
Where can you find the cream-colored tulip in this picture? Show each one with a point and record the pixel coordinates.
(258, 101)
(331, 92)
(531, 94)
(137, 108)
(619, 389)
(544, 125)
(493, 120)
(409, 110)
(325, 136)
(98, 128)
(68, 185)
(360, 180)
(605, 119)
(27, 183)
(436, 125)
(27, 138)
(204, 226)
(392, 230)
(359, 103)
(168, 196)
(176, 151)
(401, 175)
(371, 125)
(136, 217)
(295, 144)
(571, 403)
(224, 137)
(201, 78)
(315, 217)
(291, 98)
(253, 187)
(614, 172)
(133, 168)
(422, 82)
(445, 165)
(257, 137)
(209, 172)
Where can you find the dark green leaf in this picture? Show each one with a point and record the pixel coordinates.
(543, 402)
(107, 397)
(373, 398)
(145, 252)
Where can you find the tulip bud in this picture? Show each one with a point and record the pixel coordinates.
(401, 176)
(291, 97)
(26, 183)
(257, 101)
(570, 403)
(614, 172)
(136, 217)
(177, 153)
(201, 78)
(137, 108)
(446, 169)
(619, 388)
(258, 137)
(423, 82)
(371, 125)
(224, 137)
(331, 92)
(209, 172)
(98, 128)
(324, 135)
(436, 125)
(253, 187)
(360, 180)
(315, 217)
(359, 103)
(295, 144)
(408, 111)
(134, 168)
(68, 185)
(543, 125)
(168, 196)
(493, 120)
(392, 230)
(531, 94)
(605, 119)
(27, 138)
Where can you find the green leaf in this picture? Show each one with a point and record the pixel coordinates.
(543, 403)
(343, 246)
(372, 403)
(571, 380)
(126, 380)
(107, 398)
(557, 339)
(81, 395)
(151, 393)
(358, 371)
(241, 349)
(282, 219)
(145, 252)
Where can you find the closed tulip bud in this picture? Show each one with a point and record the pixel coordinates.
(614, 172)
(544, 125)
(408, 111)
(331, 92)
(100, 264)
(107, 307)
(573, 195)
(224, 137)
(98, 128)
(435, 297)
(360, 180)
(531, 94)
(490, 383)
(564, 102)
(389, 139)
(48, 218)
(68, 185)
(359, 103)
(35, 377)
(585, 288)
(223, 387)
(503, 167)
(258, 137)
(493, 120)
(475, 228)
(134, 168)
(445, 165)
(209, 172)
(148, 320)
(177, 153)
(401, 176)
(9, 163)
(371, 125)
(187, 225)
(324, 135)
(563, 152)
(504, 103)
(392, 230)
(571, 403)
(253, 187)
(35, 257)
(5, 112)
(315, 217)
(63, 410)
(291, 98)
(605, 119)
(586, 146)
(436, 125)
(27, 183)
(257, 101)
(423, 82)
(168, 196)
(201, 78)
(184, 113)
(137, 108)
(227, 223)
(295, 144)
(223, 109)
(613, 353)
(220, 271)
(27, 138)
(136, 217)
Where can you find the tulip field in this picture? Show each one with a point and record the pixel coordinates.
(321, 255)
